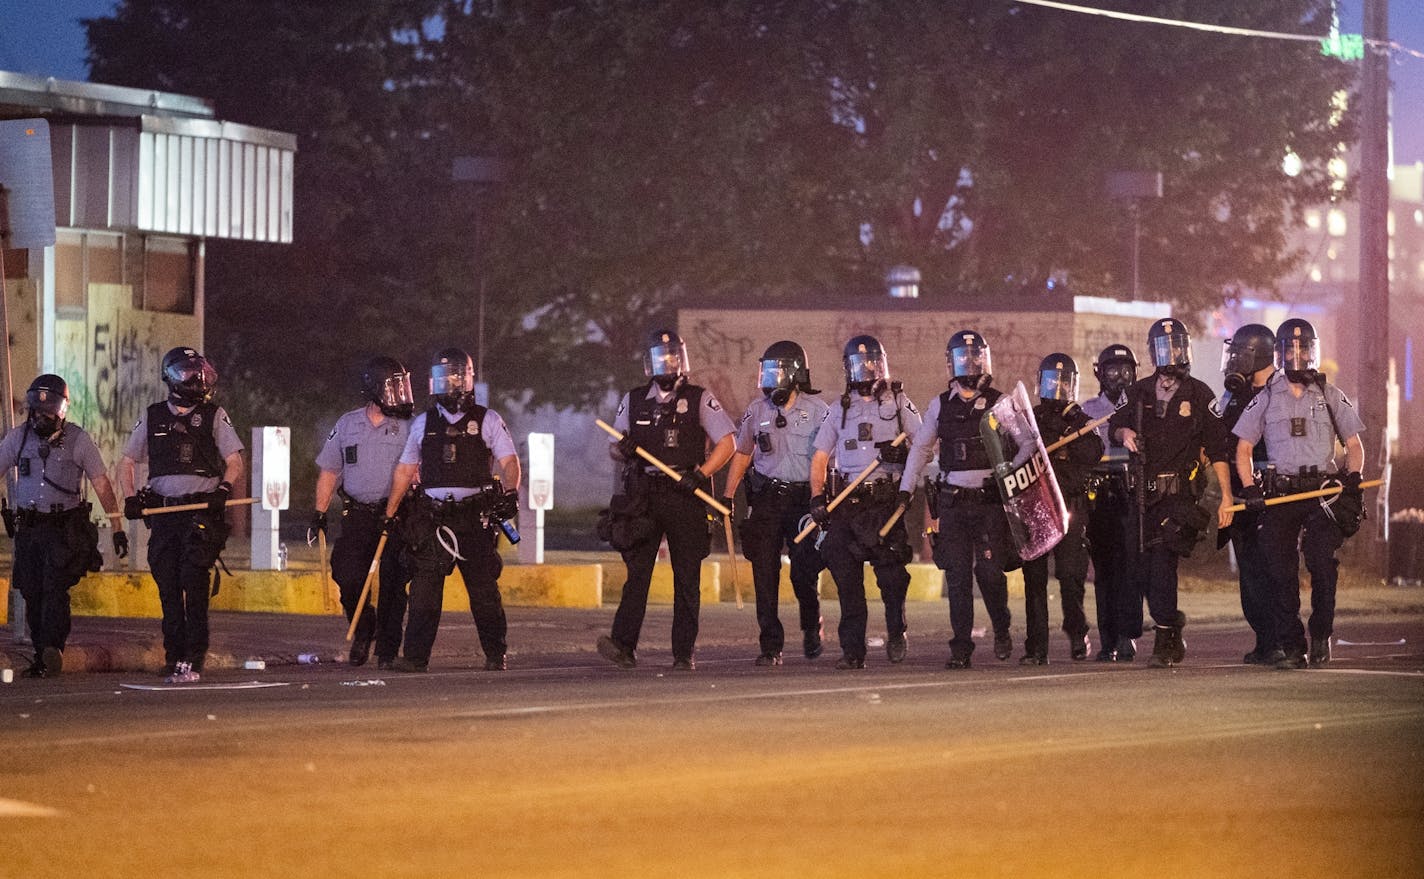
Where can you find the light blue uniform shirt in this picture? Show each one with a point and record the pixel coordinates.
(782, 453)
(492, 428)
(57, 479)
(867, 422)
(1297, 431)
(364, 455)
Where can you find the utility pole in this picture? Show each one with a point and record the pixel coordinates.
(1374, 329)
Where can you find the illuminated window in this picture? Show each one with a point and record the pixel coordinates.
(1316, 276)
(1312, 219)
(1291, 165)
(1335, 222)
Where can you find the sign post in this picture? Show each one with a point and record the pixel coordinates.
(272, 483)
(541, 497)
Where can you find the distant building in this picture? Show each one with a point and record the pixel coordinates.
(142, 180)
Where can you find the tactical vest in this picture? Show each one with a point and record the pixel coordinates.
(455, 455)
(183, 445)
(672, 431)
(960, 445)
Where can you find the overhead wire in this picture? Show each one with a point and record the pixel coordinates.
(1375, 44)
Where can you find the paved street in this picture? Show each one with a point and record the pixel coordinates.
(566, 766)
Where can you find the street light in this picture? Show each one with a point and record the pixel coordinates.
(485, 172)
(1133, 186)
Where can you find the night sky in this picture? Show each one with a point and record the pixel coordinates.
(44, 38)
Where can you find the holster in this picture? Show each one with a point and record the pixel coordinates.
(626, 523)
(1180, 523)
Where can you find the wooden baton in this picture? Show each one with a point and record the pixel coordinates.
(188, 508)
(1087, 428)
(366, 588)
(1307, 495)
(668, 471)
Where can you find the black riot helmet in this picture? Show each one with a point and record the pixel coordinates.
(969, 361)
(1169, 344)
(1248, 351)
(386, 382)
(784, 369)
(1058, 378)
(665, 358)
(452, 380)
(1298, 350)
(1116, 368)
(866, 366)
(190, 377)
(48, 402)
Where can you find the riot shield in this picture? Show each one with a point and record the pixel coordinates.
(1038, 518)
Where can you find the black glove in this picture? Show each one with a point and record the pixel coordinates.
(904, 498)
(121, 545)
(1348, 508)
(893, 454)
(389, 523)
(627, 448)
(819, 514)
(506, 506)
(217, 499)
(317, 526)
(694, 479)
(133, 506)
(1253, 498)
(1350, 484)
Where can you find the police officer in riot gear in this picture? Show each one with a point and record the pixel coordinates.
(872, 413)
(55, 541)
(1301, 417)
(973, 542)
(1247, 363)
(1169, 424)
(357, 462)
(774, 448)
(1058, 415)
(469, 476)
(194, 456)
(1119, 609)
(674, 420)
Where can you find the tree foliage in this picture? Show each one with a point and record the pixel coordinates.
(661, 150)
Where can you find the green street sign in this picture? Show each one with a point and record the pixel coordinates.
(1346, 47)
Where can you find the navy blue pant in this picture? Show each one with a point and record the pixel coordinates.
(1119, 606)
(1153, 573)
(972, 544)
(480, 570)
(1070, 565)
(351, 560)
(774, 522)
(851, 542)
(1253, 572)
(184, 588)
(682, 518)
(44, 574)
(1283, 528)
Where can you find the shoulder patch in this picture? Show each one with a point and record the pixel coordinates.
(1344, 400)
(622, 407)
(713, 404)
(1255, 401)
(911, 406)
(332, 435)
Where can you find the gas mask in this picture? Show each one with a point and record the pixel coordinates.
(1175, 371)
(1302, 376)
(778, 396)
(44, 423)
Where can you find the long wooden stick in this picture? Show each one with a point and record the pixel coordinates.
(732, 560)
(1307, 495)
(894, 517)
(1087, 428)
(188, 508)
(845, 492)
(652, 459)
(325, 575)
(366, 588)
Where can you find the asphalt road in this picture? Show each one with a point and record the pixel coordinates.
(566, 766)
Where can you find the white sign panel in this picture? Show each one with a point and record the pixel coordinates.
(276, 468)
(541, 471)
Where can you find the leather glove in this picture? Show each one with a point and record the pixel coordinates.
(893, 454)
(903, 499)
(1253, 498)
(133, 506)
(217, 500)
(819, 514)
(506, 507)
(627, 448)
(121, 545)
(1350, 484)
(318, 525)
(388, 523)
(694, 479)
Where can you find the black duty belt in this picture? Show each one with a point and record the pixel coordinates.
(880, 490)
(1164, 484)
(766, 486)
(29, 517)
(374, 508)
(197, 497)
(987, 491)
(1282, 484)
(479, 498)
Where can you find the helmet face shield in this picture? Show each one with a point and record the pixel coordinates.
(395, 393)
(450, 379)
(1297, 355)
(1058, 384)
(1171, 349)
(666, 359)
(47, 403)
(776, 374)
(966, 361)
(866, 367)
(190, 379)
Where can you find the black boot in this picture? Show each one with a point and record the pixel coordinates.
(1164, 653)
(1319, 651)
